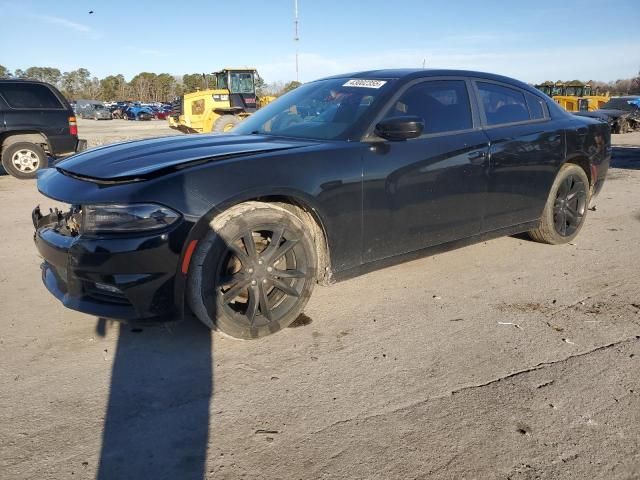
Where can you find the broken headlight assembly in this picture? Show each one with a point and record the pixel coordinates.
(120, 218)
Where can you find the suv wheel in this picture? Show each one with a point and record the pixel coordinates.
(23, 159)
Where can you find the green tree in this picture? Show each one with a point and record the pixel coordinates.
(93, 89)
(164, 87)
(142, 85)
(4, 72)
(110, 87)
(123, 87)
(291, 86)
(192, 82)
(635, 84)
(44, 74)
(261, 86)
(76, 83)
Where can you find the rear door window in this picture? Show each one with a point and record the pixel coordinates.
(536, 107)
(29, 95)
(502, 104)
(443, 105)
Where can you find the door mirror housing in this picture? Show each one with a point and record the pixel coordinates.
(397, 129)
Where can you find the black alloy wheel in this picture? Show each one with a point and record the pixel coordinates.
(254, 272)
(570, 205)
(263, 275)
(566, 207)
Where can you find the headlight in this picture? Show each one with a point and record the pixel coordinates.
(126, 218)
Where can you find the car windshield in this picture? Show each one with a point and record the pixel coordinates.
(322, 110)
(99, 107)
(621, 103)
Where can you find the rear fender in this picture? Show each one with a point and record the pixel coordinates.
(30, 137)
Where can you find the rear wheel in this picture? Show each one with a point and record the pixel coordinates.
(23, 159)
(566, 207)
(254, 271)
(225, 123)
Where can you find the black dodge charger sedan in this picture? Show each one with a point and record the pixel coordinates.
(336, 178)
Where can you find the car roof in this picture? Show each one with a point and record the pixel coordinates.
(411, 73)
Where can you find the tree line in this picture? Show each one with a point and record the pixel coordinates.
(145, 86)
(164, 87)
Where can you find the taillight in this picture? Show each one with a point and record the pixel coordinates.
(73, 127)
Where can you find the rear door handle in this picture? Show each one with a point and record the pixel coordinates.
(477, 158)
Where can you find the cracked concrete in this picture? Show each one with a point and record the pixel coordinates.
(464, 388)
(416, 371)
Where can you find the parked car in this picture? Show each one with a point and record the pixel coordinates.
(36, 122)
(96, 111)
(137, 113)
(116, 112)
(381, 167)
(621, 113)
(161, 113)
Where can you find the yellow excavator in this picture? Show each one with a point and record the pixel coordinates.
(221, 108)
(594, 98)
(574, 96)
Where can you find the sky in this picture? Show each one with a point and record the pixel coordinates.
(531, 41)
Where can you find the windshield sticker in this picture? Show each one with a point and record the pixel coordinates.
(365, 83)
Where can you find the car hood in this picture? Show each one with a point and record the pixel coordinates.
(137, 160)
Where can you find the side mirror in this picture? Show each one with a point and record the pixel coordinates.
(400, 128)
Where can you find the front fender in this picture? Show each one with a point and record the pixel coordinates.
(201, 227)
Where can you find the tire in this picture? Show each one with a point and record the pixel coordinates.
(566, 208)
(237, 282)
(23, 159)
(225, 123)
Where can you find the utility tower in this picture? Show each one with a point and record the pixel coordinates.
(296, 37)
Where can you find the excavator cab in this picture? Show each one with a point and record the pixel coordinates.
(242, 89)
(567, 95)
(574, 96)
(593, 98)
(218, 109)
(546, 88)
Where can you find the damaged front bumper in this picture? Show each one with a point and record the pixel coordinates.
(128, 278)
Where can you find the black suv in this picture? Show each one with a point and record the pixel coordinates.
(36, 121)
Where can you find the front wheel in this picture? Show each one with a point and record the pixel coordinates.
(225, 123)
(254, 271)
(566, 207)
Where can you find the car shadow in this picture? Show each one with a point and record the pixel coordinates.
(157, 417)
(626, 157)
